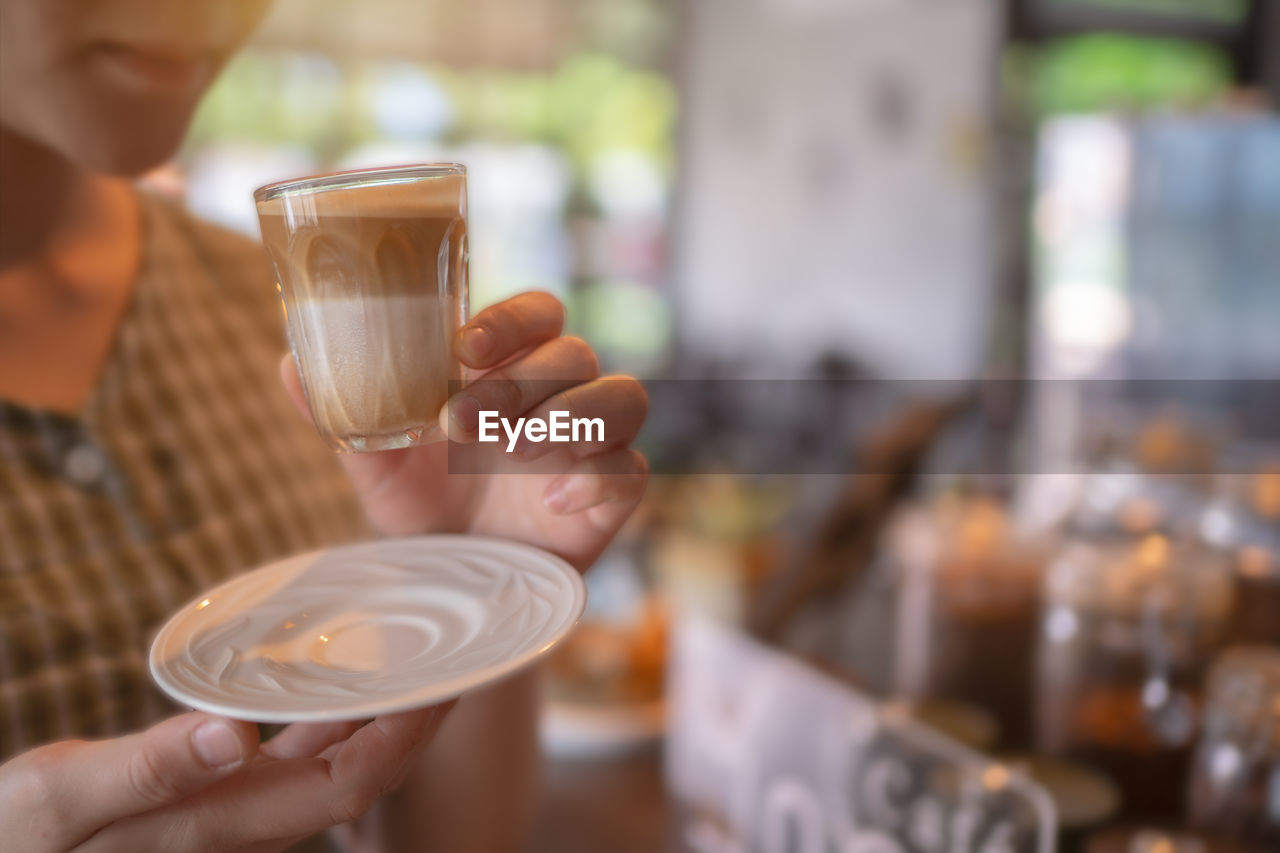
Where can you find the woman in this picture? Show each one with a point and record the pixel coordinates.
(146, 455)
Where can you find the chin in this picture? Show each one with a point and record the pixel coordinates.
(128, 145)
(127, 156)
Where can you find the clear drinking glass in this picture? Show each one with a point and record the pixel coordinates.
(372, 271)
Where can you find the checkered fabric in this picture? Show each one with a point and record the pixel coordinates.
(187, 466)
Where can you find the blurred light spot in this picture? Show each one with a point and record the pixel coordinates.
(995, 777)
(1153, 553)
(408, 103)
(1225, 762)
(1089, 319)
(1062, 624)
(628, 184)
(1155, 693)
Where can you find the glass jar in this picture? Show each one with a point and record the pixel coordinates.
(1243, 519)
(967, 603)
(1235, 781)
(1126, 635)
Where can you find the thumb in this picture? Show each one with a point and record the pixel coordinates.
(169, 762)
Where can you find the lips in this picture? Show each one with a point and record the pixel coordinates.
(153, 68)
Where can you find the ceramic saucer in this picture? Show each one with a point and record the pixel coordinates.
(353, 632)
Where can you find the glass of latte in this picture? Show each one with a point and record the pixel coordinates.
(372, 271)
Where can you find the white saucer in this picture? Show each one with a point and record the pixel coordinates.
(367, 629)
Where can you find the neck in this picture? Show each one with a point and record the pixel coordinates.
(70, 246)
(40, 188)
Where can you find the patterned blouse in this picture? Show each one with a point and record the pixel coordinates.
(186, 466)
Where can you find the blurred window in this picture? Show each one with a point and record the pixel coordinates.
(1156, 187)
(567, 129)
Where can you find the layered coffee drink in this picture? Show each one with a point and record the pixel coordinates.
(372, 273)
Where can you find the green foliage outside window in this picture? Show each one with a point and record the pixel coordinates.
(1107, 72)
(591, 104)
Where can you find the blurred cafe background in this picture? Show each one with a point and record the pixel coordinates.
(962, 325)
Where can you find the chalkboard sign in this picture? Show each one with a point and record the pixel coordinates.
(768, 755)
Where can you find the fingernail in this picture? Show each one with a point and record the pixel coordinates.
(465, 412)
(477, 341)
(217, 745)
(557, 498)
